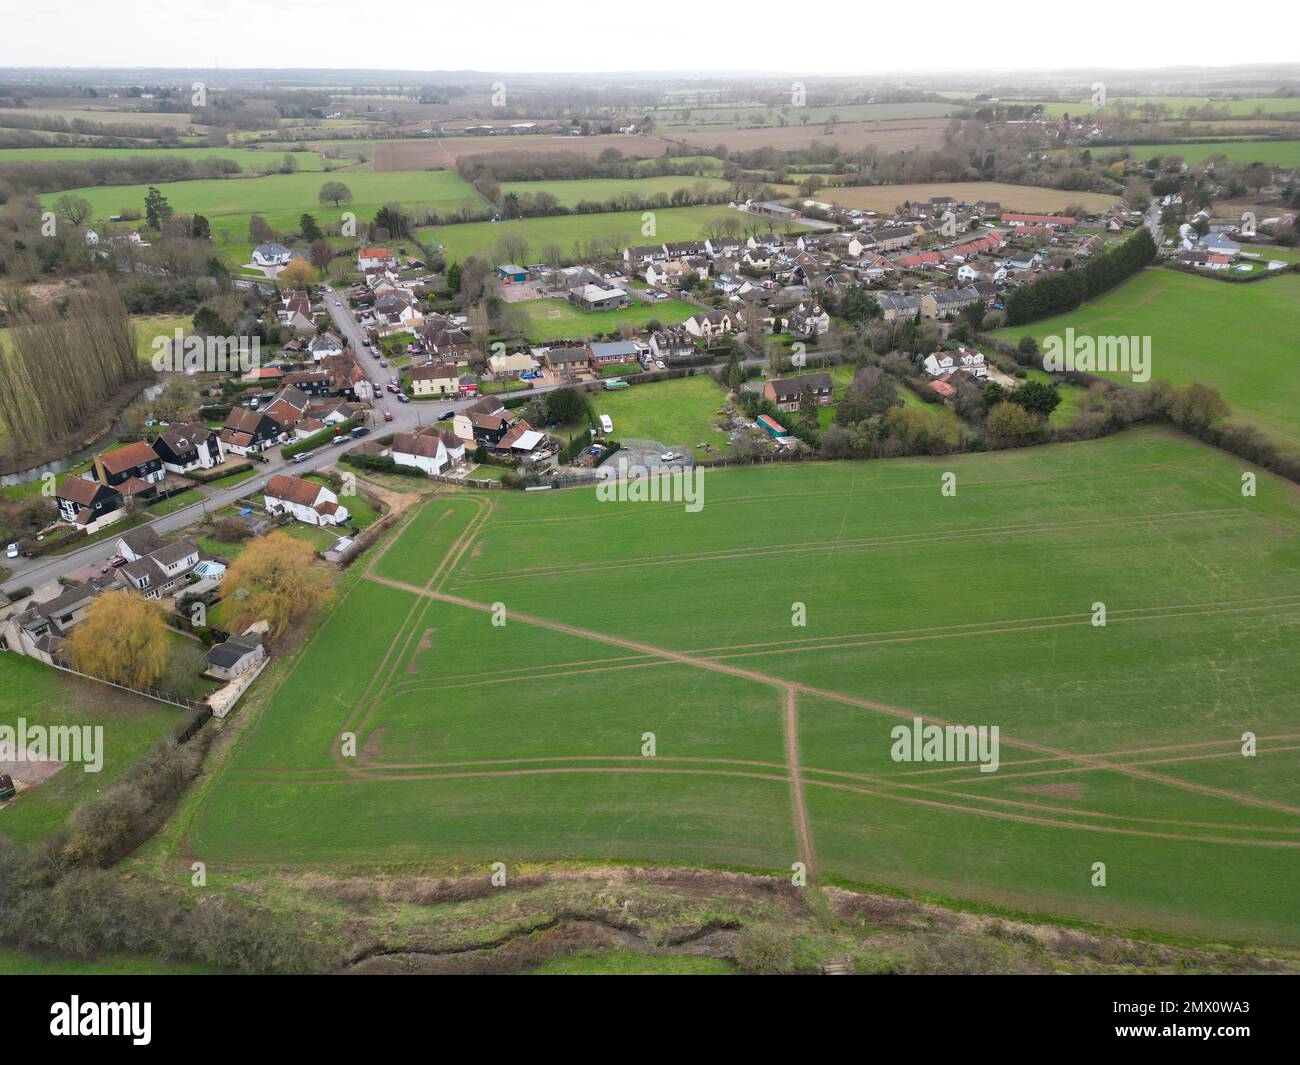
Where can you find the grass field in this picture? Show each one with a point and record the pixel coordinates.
(1276, 153)
(250, 159)
(1177, 105)
(1241, 339)
(604, 190)
(677, 414)
(1012, 197)
(480, 742)
(553, 319)
(43, 696)
(566, 231)
(283, 198)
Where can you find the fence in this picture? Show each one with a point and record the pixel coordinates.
(149, 693)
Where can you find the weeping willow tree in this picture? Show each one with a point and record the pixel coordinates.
(59, 366)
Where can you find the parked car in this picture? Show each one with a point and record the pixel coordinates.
(117, 561)
(388, 415)
(394, 389)
(360, 431)
(383, 363)
(659, 364)
(667, 456)
(303, 456)
(339, 440)
(446, 414)
(11, 551)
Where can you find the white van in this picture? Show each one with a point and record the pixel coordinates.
(606, 426)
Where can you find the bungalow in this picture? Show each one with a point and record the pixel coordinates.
(87, 503)
(1051, 221)
(186, 447)
(271, 255)
(236, 656)
(325, 345)
(511, 363)
(709, 325)
(307, 501)
(786, 393)
(136, 461)
(613, 353)
(438, 379)
(595, 298)
(890, 238)
(568, 360)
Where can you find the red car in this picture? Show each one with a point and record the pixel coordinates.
(388, 415)
(395, 389)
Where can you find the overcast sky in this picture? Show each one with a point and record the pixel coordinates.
(834, 36)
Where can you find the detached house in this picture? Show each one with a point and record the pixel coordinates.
(187, 447)
(786, 393)
(436, 380)
(431, 449)
(671, 344)
(88, 504)
(948, 303)
(808, 319)
(162, 570)
(709, 325)
(307, 501)
(131, 462)
(249, 431)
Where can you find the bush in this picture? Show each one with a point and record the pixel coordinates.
(764, 949)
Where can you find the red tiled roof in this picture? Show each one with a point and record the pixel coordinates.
(124, 458)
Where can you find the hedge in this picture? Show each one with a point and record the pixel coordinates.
(1058, 293)
(318, 439)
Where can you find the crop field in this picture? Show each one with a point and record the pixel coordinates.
(1011, 197)
(603, 190)
(282, 198)
(505, 661)
(1275, 153)
(897, 136)
(1178, 105)
(745, 115)
(1241, 339)
(417, 154)
(566, 231)
(250, 159)
(553, 319)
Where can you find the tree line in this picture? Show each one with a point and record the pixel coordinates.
(61, 364)
(1064, 291)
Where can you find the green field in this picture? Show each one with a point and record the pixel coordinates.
(568, 231)
(1178, 105)
(552, 319)
(43, 696)
(283, 198)
(1241, 339)
(1275, 153)
(677, 414)
(250, 159)
(604, 190)
(523, 741)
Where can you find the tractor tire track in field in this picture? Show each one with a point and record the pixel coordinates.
(748, 553)
(833, 696)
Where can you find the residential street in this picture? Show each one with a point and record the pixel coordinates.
(406, 417)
